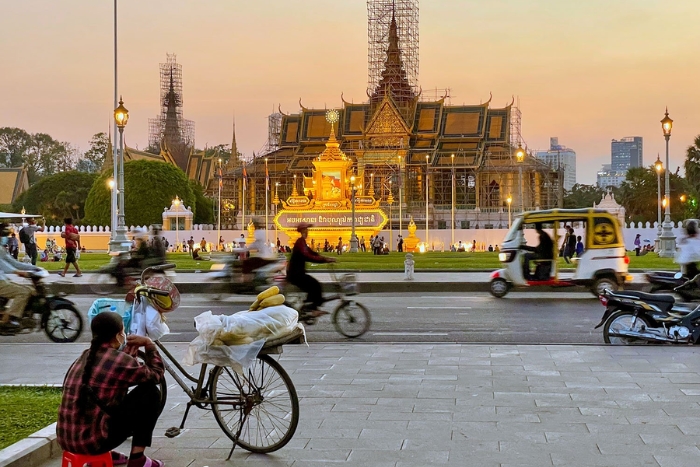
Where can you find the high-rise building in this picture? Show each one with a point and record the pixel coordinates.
(560, 156)
(607, 177)
(626, 153)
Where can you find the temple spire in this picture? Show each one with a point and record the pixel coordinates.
(233, 161)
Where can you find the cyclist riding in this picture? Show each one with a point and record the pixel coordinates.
(19, 293)
(296, 269)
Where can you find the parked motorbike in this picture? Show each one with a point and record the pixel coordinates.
(666, 281)
(632, 317)
(245, 275)
(56, 316)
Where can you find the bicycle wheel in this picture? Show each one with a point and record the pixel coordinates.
(258, 411)
(351, 319)
(63, 324)
(105, 284)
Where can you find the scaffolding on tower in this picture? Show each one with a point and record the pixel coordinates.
(380, 13)
(171, 126)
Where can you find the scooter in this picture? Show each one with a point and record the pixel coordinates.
(56, 316)
(661, 281)
(632, 317)
(245, 275)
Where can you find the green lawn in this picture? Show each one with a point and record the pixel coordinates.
(369, 262)
(25, 410)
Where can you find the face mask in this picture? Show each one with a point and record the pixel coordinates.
(123, 344)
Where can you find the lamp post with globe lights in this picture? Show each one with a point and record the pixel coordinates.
(119, 241)
(176, 203)
(353, 236)
(509, 200)
(520, 157)
(667, 239)
(659, 167)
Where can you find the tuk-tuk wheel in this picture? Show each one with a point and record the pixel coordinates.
(603, 283)
(499, 287)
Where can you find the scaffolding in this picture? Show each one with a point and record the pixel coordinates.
(170, 124)
(274, 127)
(380, 14)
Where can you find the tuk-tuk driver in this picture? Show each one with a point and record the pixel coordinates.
(545, 250)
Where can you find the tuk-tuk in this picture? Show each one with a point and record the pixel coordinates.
(602, 265)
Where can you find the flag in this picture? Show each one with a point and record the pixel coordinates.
(245, 178)
(221, 178)
(267, 178)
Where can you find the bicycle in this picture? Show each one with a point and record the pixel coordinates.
(350, 318)
(257, 409)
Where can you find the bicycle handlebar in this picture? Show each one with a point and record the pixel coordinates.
(151, 291)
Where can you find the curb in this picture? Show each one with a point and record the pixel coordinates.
(32, 450)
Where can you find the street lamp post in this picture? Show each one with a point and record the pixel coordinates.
(218, 217)
(113, 217)
(668, 240)
(520, 157)
(267, 203)
(453, 201)
(509, 200)
(176, 203)
(119, 242)
(353, 237)
(400, 200)
(427, 190)
(390, 201)
(659, 167)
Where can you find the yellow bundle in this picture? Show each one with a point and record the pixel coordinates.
(269, 297)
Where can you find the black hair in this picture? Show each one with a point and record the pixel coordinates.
(691, 228)
(105, 327)
(68, 220)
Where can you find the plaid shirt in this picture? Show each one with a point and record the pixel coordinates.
(82, 429)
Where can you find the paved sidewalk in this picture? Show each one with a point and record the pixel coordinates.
(448, 404)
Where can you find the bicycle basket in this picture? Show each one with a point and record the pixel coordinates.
(348, 284)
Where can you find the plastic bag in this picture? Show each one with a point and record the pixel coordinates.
(146, 321)
(236, 340)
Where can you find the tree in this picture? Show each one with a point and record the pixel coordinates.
(57, 196)
(204, 206)
(93, 159)
(692, 175)
(638, 194)
(13, 146)
(150, 186)
(583, 196)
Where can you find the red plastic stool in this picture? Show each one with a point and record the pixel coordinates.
(80, 460)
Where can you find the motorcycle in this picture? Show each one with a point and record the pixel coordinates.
(632, 317)
(245, 275)
(56, 316)
(122, 274)
(667, 281)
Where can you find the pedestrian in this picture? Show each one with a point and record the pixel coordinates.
(241, 241)
(26, 236)
(474, 245)
(579, 247)
(190, 245)
(490, 248)
(184, 246)
(98, 411)
(570, 245)
(399, 247)
(362, 243)
(377, 245)
(203, 245)
(637, 244)
(340, 246)
(279, 245)
(371, 243)
(72, 237)
(166, 243)
(13, 245)
(222, 246)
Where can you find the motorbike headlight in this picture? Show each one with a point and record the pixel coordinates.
(506, 256)
(502, 257)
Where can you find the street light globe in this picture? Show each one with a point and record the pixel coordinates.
(176, 201)
(664, 202)
(352, 179)
(658, 165)
(121, 115)
(110, 183)
(683, 198)
(520, 154)
(666, 124)
(509, 199)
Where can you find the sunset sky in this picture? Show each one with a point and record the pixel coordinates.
(586, 71)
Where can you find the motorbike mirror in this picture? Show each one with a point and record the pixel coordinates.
(678, 275)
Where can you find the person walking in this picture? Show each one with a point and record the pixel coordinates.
(72, 237)
(190, 245)
(363, 248)
(340, 246)
(637, 244)
(13, 245)
(399, 246)
(26, 236)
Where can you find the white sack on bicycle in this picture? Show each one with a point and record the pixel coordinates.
(248, 326)
(147, 321)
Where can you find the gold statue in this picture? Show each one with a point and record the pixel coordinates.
(410, 242)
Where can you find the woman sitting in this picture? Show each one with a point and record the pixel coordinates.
(98, 412)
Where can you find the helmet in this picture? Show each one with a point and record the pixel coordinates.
(691, 226)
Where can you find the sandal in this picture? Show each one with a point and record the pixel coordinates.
(119, 459)
(61, 274)
(153, 463)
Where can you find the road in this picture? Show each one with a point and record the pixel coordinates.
(520, 318)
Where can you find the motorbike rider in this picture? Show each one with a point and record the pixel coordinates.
(19, 293)
(261, 255)
(296, 269)
(688, 250)
(545, 250)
